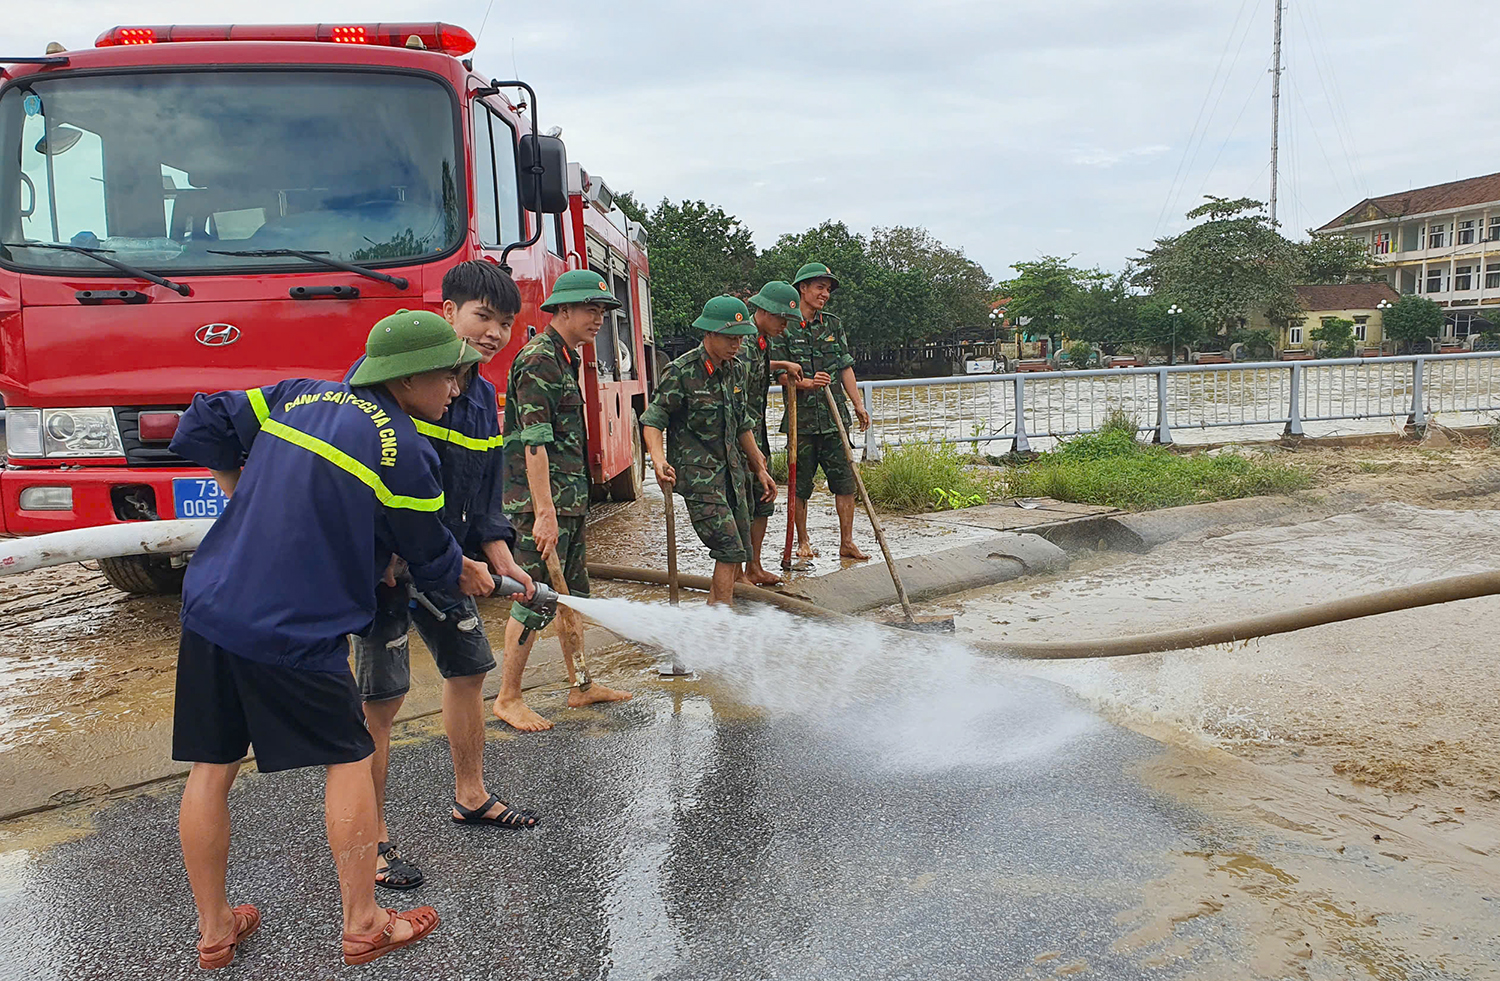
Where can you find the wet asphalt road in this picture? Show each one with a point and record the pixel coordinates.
(679, 842)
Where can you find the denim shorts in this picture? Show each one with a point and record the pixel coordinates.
(458, 644)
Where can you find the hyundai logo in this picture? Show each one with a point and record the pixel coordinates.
(217, 335)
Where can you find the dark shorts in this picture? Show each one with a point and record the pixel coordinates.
(758, 508)
(382, 657)
(822, 450)
(294, 718)
(724, 526)
(571, 552)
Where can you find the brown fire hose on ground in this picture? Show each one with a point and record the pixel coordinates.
(1390, 600)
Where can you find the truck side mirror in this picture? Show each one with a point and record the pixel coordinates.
(544, 192)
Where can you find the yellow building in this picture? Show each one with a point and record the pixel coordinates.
(1362, 303)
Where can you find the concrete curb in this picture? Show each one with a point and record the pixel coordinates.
(1006, 556)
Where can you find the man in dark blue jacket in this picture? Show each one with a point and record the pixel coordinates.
(481, 302)
(327, 482)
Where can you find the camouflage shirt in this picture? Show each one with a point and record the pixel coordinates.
(755, 363)
(703, 411)
(544, 407)
(817, 345)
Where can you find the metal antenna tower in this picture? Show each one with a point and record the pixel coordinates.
(1275, 107)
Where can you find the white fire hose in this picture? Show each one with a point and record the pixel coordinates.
(103, 542)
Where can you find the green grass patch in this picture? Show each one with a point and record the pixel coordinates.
(912, 478)
(1112, 468)
(777, 466)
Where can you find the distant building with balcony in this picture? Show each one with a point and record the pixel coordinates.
(1441, 242)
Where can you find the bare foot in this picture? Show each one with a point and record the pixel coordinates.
(849, 550)
(806, 551)
(760, 577)
(518, 715)
(596, 693)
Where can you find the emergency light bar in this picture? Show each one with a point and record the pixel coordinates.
(433, 37)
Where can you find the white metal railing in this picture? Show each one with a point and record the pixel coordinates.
(1024, 406)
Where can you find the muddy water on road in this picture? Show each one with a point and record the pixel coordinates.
(1400, 713)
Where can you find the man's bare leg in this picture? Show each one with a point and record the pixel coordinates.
(508, 706)
(596, 692)
(721, 591)
(463, 721)
(755, 572)
(844, 505)
(804, 542)
(203, 828)
(349, 814)
(379, 717)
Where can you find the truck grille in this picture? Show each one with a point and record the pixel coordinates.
(138, 454)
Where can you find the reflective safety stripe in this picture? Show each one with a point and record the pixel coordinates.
(344, 461)
(257, 399)
(458, 439)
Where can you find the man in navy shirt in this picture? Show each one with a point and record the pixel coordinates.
(481, 302)
(327, 482)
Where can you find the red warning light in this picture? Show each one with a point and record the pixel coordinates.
(442, 37)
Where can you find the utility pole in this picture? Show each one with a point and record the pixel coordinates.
(1275, 107)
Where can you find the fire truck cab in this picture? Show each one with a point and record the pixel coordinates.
(191, 209)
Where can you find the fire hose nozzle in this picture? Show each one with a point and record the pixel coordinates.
(543, 601)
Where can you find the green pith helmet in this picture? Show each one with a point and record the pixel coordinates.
(580, 286)
(816, 270)
(726, 315)
(409, 342)
(779, 298)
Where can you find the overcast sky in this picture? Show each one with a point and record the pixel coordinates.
(1009, 128)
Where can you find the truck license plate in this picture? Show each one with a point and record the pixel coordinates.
(197, 497)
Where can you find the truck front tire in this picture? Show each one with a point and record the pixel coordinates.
(144, 575)
(630, 483)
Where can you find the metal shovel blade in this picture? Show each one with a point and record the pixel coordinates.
(924, 625)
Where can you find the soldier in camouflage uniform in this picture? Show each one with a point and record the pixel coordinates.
(821, 347)
(546, 477)
(700, 408)
(772, 309)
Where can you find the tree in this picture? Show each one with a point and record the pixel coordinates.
(626, 202)
(958, 289)
(697, 252)
(1103, 310)
(1229, 267)
(1412, 319)
(1333, 259)
(1040, 293)
(1335, 337)
(1157, 328)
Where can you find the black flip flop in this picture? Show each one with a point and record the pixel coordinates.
(509, 818)
(399, 873)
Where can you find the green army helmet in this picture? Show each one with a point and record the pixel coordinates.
(726, 315)
(409, 342)
(816, 270)
(779, 298)
(580, 286)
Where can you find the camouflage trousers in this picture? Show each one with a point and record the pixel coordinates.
(822, 449)
(571, 555)
(723, 526)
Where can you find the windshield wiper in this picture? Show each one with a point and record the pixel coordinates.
(124, 267)
(322, 257)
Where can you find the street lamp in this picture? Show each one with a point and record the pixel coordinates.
(1382, 306)
(1173, 311)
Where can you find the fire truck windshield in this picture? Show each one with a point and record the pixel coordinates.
(169, 171)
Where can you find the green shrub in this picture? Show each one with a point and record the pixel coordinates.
(1135, 476)
(1116, 437)
(1079, 353)
(915, 477)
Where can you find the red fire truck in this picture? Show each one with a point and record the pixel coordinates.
(190, 209)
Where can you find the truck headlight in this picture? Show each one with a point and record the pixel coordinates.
(71, 433)
(23, 432)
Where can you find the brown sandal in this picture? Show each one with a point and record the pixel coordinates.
(246, 922)
(423, 920)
